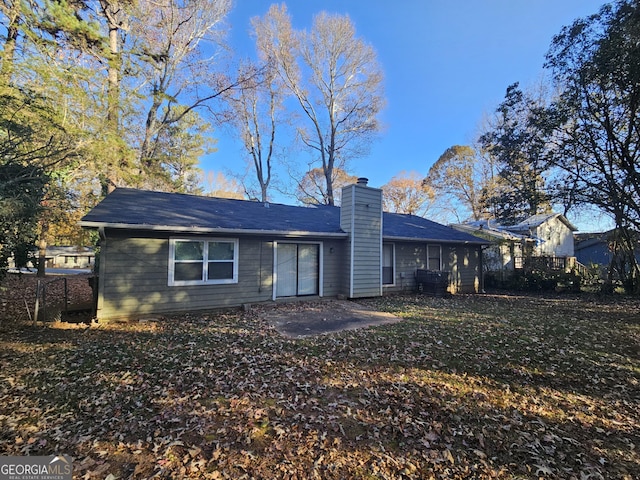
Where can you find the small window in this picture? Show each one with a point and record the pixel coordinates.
(207, 261)
(434, 257)
(388, 264)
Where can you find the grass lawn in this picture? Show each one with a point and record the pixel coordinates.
(480, 386)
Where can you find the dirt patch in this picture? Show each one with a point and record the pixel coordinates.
(304, 319)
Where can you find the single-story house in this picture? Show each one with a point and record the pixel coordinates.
(70, 257)
(544, 235)
(167, 252)
(552, 232)
(596, 248)
(506, 248)
(593, 248)
(67, 256)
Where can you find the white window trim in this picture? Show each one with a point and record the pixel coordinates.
(274, 292)
(440, 250)
(178, 283)
(393, 264)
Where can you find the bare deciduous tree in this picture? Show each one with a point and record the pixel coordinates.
(257, 105)
(335, 78)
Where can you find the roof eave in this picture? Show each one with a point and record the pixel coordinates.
(226, 231)
(570, 225)
(435, 240)
(483, 233)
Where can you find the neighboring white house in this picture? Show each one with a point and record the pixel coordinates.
(505, 246)
(544, 235)
(552, 232)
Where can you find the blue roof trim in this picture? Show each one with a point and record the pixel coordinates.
(139, 209)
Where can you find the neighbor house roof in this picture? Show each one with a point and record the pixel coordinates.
(586, 240)
(483, 229)
(69, 251)
(535, 221)
(172, 212)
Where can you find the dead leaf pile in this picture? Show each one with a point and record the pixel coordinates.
(465, 387)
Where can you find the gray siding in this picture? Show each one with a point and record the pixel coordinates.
(134, 277)
(361, 217)
(346, 215)
(334, 265)
(409, 258)
(462, 261)
(346, 209)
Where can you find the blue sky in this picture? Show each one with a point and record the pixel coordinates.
(447, 64)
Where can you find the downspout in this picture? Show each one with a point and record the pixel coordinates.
(102, 267)
(481, 268)
(274, 277)
(260, 271)
(321, 269)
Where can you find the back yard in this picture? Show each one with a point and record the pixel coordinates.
(480, 386)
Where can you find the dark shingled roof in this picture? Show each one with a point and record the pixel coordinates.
(409, 227)
(172, 211)
(138, 209)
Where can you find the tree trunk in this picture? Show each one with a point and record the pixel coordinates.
(8, 58)
(42, 249)
(115, 157)
(113, 92)
(328, 173)
(146, 150)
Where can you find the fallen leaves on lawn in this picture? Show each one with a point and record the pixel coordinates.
(465, 387)
(18, 296)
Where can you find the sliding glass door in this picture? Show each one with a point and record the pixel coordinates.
(297, 269)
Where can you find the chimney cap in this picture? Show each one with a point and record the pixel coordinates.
(363, 181)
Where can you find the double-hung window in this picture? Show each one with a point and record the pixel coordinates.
(388, 264)
(203, 261)
(434, 257)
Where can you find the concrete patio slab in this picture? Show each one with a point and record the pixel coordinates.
(302, 319)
